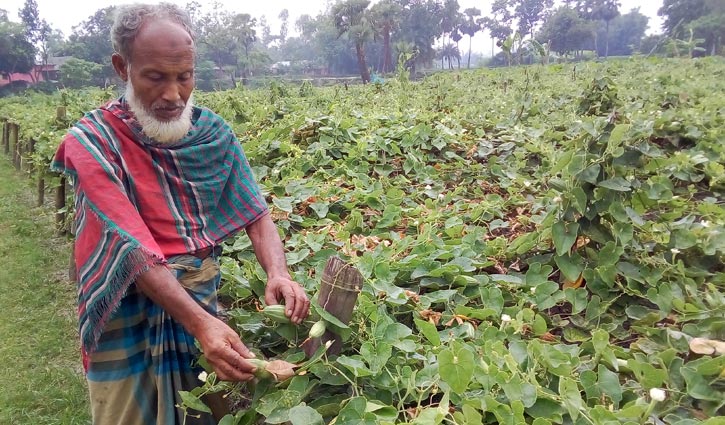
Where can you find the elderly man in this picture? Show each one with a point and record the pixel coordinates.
(159, 183)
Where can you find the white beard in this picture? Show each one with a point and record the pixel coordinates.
(165, 132)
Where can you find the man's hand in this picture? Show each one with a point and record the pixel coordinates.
(297, 306)
(225, 351)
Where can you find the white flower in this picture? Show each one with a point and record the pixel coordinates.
(505, 318)
(657, 394)
(705, 223)
(441, 196)
(533, 289)
(428, 187)
(556, 200)
(675, 251)
(202, 376)
(527, 183)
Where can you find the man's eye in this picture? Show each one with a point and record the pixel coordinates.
(185, 77)
(155, 77)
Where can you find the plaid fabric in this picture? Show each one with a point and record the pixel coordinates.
(144, 357)
(138, 202)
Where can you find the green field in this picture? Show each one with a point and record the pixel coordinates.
(40, 360)
(540, 244)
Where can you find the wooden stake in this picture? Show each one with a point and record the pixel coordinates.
(6, 136)
(29, 159)
(60, 206)
(60, 113)
(14, 130)
(41, 188)
(339, 289)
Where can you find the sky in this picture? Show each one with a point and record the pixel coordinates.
(64, 15)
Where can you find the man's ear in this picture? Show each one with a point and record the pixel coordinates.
(120, 65)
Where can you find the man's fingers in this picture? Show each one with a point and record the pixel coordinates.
(242, 349)
(236, 360)
(226, 372)
(302, 305)
(270, 298)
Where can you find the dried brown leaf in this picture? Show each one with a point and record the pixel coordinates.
(281, 370)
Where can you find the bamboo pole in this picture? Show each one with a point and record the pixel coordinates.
(341, 283)
(60, 207)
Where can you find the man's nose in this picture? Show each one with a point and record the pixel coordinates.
(171, 93)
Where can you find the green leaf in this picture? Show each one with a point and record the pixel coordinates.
(571, 397)
(609, 385)
(354, 413)
(429, 331)
(455, 366)
(320, 208)
(579, 199)
(192, 401)
(616, 183)
(305, 415)
(564, 235)
(355, 365)
(517, 389)
(570, 266)
(578, 298)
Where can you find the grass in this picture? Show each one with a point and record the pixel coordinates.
(40, 368)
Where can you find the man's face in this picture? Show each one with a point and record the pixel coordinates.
(159, 75)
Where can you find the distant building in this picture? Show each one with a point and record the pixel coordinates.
(40, 72)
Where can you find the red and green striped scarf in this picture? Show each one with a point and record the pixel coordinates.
(138, 202)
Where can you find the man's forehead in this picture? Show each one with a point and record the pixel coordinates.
(161, 36)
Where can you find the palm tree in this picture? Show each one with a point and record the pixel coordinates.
(351, 17)
(385, 16)
(449, 52)
(470, 27)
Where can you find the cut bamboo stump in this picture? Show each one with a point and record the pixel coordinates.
(341, 283)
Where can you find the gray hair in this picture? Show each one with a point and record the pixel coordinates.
(130, 18)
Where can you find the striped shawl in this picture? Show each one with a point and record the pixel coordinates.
(138, 202)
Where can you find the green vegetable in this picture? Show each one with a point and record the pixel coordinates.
(275, 313)
(317, 329)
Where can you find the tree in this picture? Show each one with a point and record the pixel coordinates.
(91, 40)
(284, 24)
(626, 33)
(227, 40)
(565, 31)
(17, 54)
(420, 26)
(386, 16)
(77, 73)
(601, 10)
(704, 18)
(351, 18)
(528, 13)
(449, 18)
(470, 27)
(449, 52)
